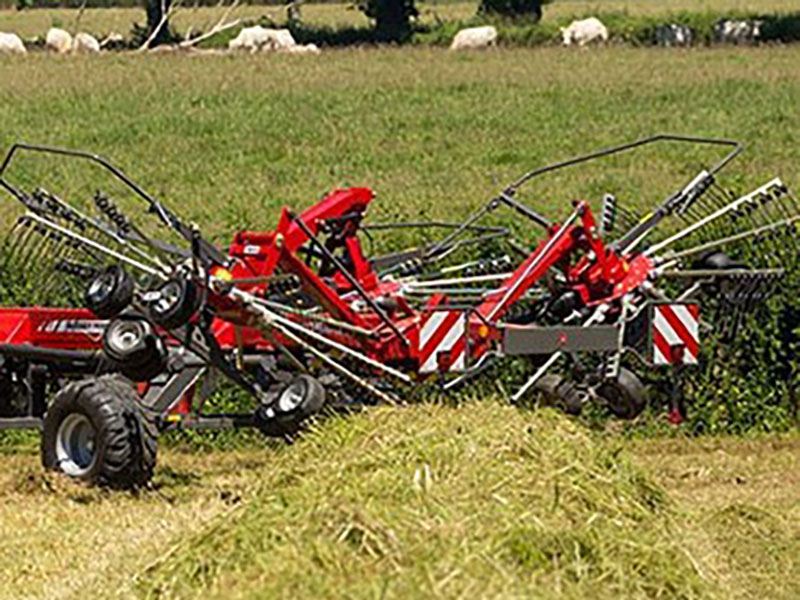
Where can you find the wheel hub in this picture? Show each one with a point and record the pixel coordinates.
(75, 445)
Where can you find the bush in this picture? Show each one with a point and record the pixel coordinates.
(622, 27)
(392, 17)
(513, 8)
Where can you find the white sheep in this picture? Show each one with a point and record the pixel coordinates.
(85, 43)
(474, 38)
(58, 40)
(257, 38)
(584, 32)
(10, 43)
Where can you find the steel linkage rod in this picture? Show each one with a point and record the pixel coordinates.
(663, 137)
(342, 348)
(674, 258)
(271, 320)
(96, 246)
(350, 278)
(562, 231)
(744, 200)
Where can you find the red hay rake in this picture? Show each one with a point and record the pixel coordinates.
(303, 319)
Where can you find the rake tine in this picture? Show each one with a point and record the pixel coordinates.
(30, 247)
(787, 207)
(12, 241)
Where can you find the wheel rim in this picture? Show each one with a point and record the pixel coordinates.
(292, 397)
(124, 336)
(101, 288)
(75, 445)
(169, 297)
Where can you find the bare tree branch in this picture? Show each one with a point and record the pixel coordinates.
(219, 27)
(165, 17)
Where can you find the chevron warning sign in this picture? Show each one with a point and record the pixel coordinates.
(675, 334)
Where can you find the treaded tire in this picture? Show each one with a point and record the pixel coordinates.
(626, 397)
(110, 292)
(557, 392)
(125, 434)
(134, 349)
(176, 308)
(282, 419)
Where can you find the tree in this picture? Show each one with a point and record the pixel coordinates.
(158, 29)
(392, 17)
(513, 8)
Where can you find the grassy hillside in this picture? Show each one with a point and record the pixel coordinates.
(481, 500)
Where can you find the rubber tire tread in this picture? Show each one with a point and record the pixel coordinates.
(126, 434)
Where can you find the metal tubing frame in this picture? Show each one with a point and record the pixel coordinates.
(350, 278)
(209, 252)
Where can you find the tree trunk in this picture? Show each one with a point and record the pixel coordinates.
(391, 22)
(156, 9)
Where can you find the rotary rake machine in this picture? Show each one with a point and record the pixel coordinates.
(304, 320)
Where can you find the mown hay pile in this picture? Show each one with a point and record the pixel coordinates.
(480, 500)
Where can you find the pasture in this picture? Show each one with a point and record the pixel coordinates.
(480, 500)
(335, 15)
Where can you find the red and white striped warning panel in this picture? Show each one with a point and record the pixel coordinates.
(675, 334)
(443, 341)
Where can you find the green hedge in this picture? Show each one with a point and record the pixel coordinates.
(622, 27)
(638, 31)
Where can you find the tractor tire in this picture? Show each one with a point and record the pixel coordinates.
(133, 349)
(717, 260)
(178, 301)
(96, 431)
(301, 399)
(109, 293)
(625, 396)
(559, 393)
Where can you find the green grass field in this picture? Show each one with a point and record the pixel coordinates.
(431, 501)
(229, 139)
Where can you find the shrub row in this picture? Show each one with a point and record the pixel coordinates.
(622, 27)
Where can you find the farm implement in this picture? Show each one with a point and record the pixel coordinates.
(304, 320)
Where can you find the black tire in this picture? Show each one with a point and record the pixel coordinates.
(298, 401)
(109, 293)
(96, 430)
(559, 393)
(718, 260)
(625, 396)
(177, 302)
(134, 349)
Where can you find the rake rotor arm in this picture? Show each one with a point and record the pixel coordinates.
(209, 253)
(610, 151)
(683, 198)
(545, 256)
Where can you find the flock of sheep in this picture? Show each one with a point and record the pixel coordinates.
(592, 30)
(61, 42)
(261, 39)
